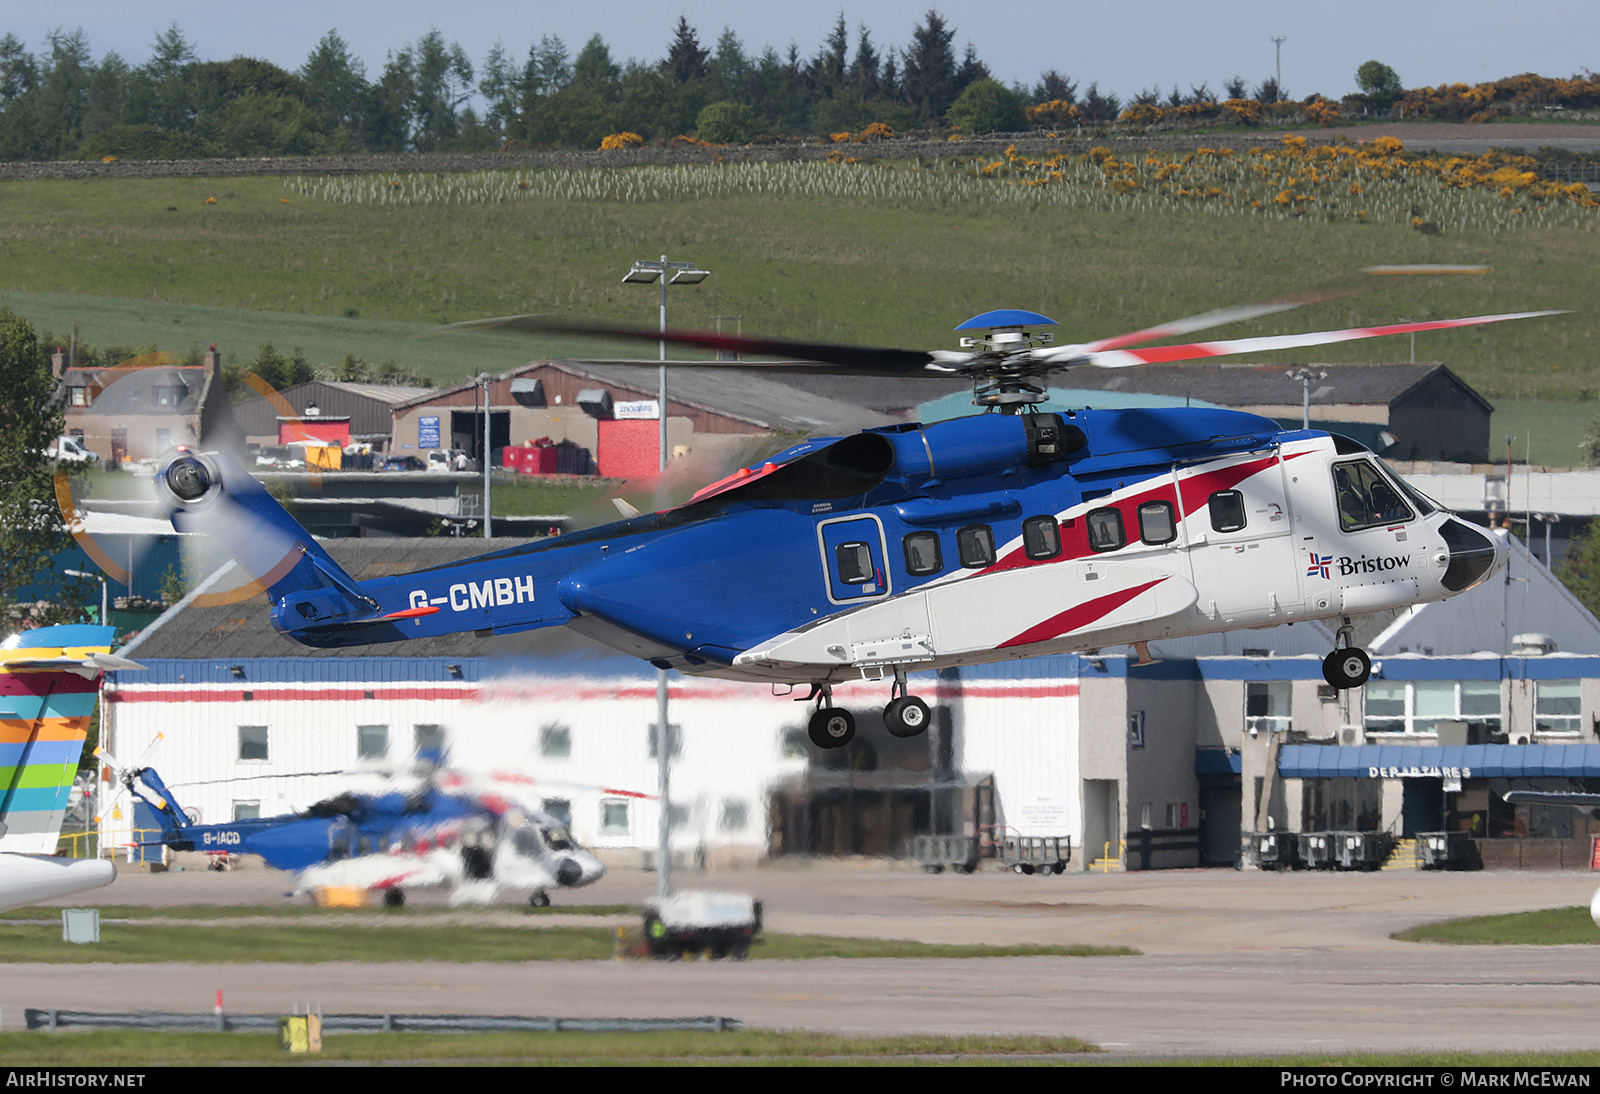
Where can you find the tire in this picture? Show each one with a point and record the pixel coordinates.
(394, 898)
(1346, 669)
(539, 899)
(907, 716)
(1023, 868)
(831, 727)
(933, 868)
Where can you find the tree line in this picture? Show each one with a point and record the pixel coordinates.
(429, 95)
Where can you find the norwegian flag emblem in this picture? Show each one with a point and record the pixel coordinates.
(1319, 565)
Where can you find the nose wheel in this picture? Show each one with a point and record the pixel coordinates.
(1348, 667)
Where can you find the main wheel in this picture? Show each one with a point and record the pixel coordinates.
(906, 716)
(831, 727)
(394, 898)
(1347, 668)
(539, 899)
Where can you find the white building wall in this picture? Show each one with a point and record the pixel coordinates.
(1024, 730)
(191, 739)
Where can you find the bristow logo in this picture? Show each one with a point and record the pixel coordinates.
(1365, 565)
(1319, 565)
(482, 594)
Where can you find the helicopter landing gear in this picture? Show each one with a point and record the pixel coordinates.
(1348, 667)
(906, 715)
(394, 898)
(539, 899)
(830, 726)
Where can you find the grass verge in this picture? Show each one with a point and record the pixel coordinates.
(384, 939)
(1553, 927)
(134, 1047)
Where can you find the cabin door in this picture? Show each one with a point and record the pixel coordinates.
(853, 559)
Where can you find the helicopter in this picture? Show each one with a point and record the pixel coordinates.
(911, 548)
(49, 682)
(476, 843)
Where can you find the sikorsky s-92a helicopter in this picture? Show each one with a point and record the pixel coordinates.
(908, 548)
(447, 836)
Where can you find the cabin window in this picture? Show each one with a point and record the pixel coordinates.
(855, 563)
(975, 543)
(252, 742)
(364, 845)
(1041, 538)
(1227, 511)
(1105, 530)
(1157, 523)
(555, 741)
(372, 742)
(1365, 498)
(922, 554)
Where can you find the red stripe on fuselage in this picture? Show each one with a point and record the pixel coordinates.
(1078, 617)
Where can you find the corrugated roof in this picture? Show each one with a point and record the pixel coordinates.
(1268, 385)
(743, 393)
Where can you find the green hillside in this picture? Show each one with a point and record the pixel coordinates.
(137, 260)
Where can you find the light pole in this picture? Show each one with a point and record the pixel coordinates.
(645, 272)
(102, 581)
(488, 521)
(1305, 376)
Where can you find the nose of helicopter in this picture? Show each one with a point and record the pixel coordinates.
(569, 872)
(1475, 554)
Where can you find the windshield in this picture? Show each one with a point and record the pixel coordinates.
(557, 838)
(1424, 504)
(1365, 497)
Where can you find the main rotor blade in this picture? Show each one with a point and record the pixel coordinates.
(1122, 358)
(1269, 307)
(846, 360)
(1211, 319)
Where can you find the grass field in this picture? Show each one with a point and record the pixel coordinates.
(377, 937)
(138, 256)
(136, 1048)
(1554, 927)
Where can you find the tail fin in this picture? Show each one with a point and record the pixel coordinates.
(211, 493)
(49, 680)
(173, 818)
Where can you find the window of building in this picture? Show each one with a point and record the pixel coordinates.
(1417, 706)
(1365, 498)
(427, 738)
(1557, 708)
(922, 554)
(794, 744)
(855, 563)
(735, 815)
(1227, 511)
(1266, 707)
(1105, 530)
(1041, 538)
(372, 742)
(975, 545)
(559, 808)
(614, 816)
(246, 810)
(80, 396)
(555, 741)
(677, 817)
(1157, 522)
(252, 742)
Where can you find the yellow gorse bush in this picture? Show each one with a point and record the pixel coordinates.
(620, 140)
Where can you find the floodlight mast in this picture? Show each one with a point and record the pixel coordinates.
(102, 581)
(666, 273)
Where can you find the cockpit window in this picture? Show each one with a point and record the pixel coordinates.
(1365, 498)
(557, 838)
(1423, 503)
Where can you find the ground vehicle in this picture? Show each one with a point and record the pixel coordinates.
(71, 450)
(450, 459)
(403, 463)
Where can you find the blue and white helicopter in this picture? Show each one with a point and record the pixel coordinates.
(473, 841)
(912, 548)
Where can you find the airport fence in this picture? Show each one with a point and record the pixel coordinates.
(52, 1020)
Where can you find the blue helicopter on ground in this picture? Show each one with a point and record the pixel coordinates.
(474, 842)
(910, 548)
